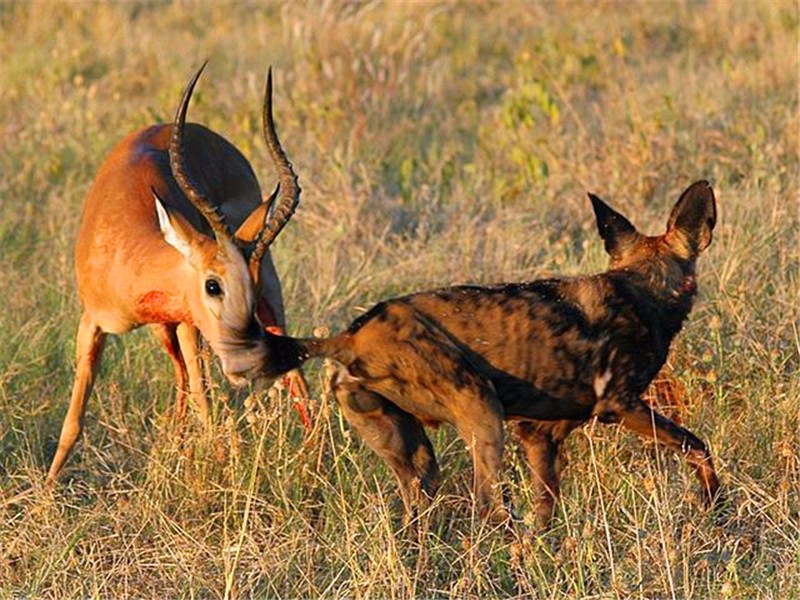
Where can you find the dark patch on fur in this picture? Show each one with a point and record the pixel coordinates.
(285, 354)
(379, 310)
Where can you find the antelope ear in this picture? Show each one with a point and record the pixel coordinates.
(176, 230)
(616, 231)
(256, 221)
(692, 219)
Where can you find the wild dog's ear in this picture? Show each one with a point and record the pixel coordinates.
(616, 230)
(692, 219)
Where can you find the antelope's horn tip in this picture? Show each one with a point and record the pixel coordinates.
(200, 71)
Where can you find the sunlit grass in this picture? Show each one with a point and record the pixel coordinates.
(436, 144)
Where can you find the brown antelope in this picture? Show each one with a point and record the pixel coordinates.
(154, 248)
(546, 355)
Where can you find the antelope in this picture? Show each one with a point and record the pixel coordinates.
(154, 248)
(546, 356)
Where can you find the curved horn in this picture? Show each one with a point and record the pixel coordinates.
(289, 197)
(178, 166)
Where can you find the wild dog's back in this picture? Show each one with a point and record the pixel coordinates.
(541, 341)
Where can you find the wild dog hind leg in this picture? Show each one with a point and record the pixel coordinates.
(394, 435)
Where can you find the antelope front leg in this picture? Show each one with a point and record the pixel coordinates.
(90, 342)
(188, 341)
(166, 334)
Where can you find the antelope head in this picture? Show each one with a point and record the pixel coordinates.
(222, 273)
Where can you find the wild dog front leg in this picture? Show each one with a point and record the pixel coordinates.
(480, 426)
(394, 435)
(639, 417)
(542, 453)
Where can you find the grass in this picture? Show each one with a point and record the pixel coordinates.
(436, 143)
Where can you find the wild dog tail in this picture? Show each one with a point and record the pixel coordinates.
(286, 353)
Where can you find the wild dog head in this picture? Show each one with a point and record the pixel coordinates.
(668, 259)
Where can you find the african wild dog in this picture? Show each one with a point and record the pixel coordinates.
(546, 355)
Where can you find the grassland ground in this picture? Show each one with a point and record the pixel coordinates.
(437, 143)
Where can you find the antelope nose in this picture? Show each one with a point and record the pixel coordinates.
(237, 380)
(239, 370)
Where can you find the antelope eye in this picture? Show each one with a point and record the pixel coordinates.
(213, 288)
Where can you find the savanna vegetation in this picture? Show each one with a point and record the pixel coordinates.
(437, 143)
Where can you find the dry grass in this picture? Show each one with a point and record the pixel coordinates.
(437, 143)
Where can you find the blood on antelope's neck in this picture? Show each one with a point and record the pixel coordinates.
(160, 307)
